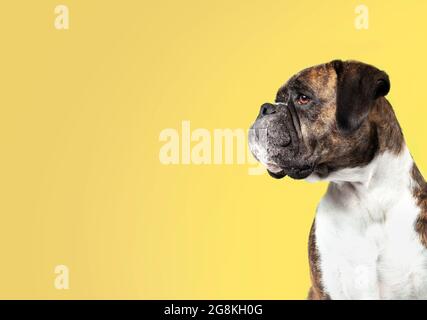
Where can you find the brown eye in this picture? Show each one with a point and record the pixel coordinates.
(302, 99)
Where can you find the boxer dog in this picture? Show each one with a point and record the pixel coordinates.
(332, 122)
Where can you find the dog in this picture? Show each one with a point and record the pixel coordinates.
(332, 122)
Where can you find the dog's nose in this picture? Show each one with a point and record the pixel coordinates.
(266, 109)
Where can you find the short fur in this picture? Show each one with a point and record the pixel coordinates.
(369, 238)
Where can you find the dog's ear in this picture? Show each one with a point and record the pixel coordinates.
(358, 86)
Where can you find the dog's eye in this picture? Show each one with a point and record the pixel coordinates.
(302, 99)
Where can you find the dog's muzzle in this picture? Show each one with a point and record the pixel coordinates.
(275, 140)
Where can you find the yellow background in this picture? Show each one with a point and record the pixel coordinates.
(81, 112)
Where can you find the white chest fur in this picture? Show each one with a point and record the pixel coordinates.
(365, 233)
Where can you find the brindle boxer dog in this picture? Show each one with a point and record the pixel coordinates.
(332, 122)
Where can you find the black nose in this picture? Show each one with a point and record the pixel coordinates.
(266, 109)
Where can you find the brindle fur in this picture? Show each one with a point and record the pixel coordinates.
(328, 144)
(419, 190)
(379, 133)
(316, 291)
(347, 123)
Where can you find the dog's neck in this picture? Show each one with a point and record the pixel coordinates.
(391, 171)
(378, 189)
(387, 169)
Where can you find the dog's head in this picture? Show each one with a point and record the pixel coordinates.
(319, 122)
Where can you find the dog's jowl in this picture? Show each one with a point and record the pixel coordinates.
(332, 122)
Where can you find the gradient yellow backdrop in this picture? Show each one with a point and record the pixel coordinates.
(81, 112)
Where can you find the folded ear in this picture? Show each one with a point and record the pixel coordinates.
(358, 86)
